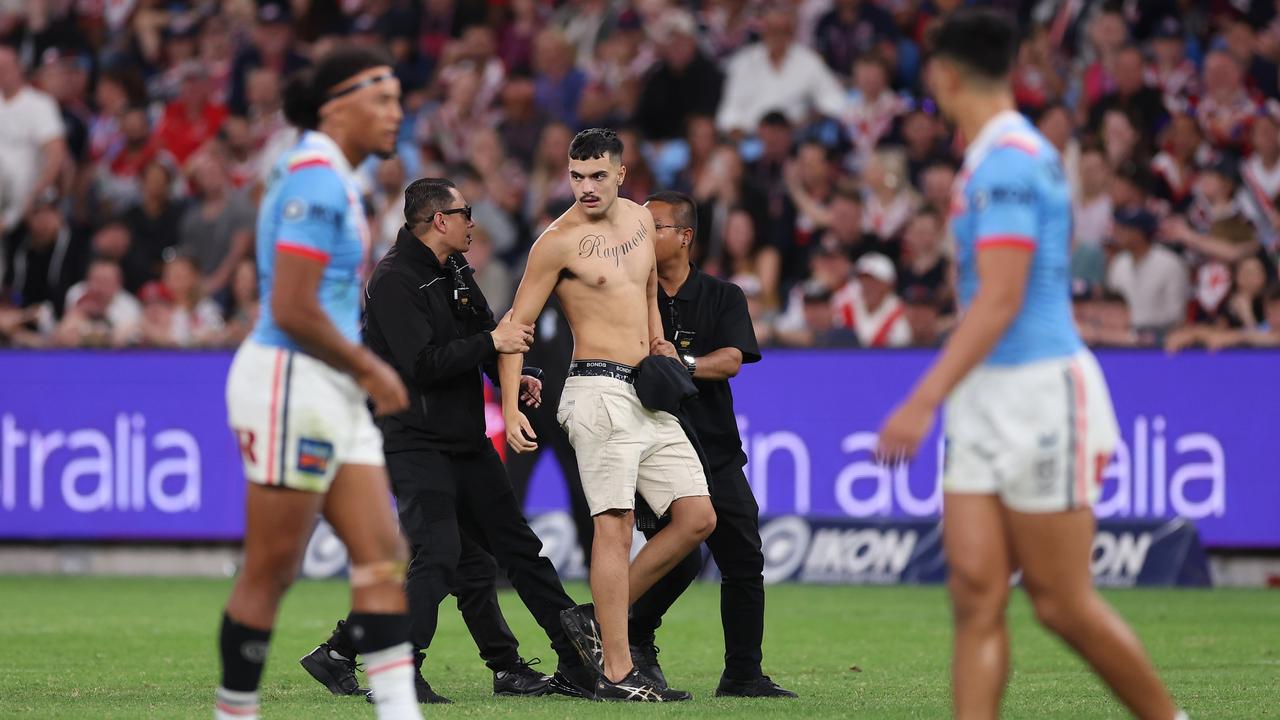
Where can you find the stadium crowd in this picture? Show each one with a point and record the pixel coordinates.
(137, 135)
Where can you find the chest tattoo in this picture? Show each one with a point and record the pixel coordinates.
(595, 245)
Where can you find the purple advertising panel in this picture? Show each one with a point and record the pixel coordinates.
(135, 445)
(1198, 432)
(126, 446)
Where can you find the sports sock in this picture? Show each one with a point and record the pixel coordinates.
(244, 652)
(388, 660)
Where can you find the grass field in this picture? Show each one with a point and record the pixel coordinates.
(134, 648)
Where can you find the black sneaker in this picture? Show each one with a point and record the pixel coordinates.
(521, 679)
(637, 687)
(426, 695)
(584, 632)
(760, 687)
(578, 681)
(645, 657)
(333, 670)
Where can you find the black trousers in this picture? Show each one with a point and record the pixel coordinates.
(735, 545)
(459, 514)
(520, 468)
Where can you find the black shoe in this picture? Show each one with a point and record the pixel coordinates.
(584, 632)
(645, 657)
(521, 679)
(426, 695)
(334, 671)
(578, 681)
(637, 687)
(760, 687)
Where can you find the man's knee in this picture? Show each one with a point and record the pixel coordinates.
(696, 516)
(977, 597)
(615, 525)
(1058, 612)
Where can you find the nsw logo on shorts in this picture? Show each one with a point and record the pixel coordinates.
(314, 456)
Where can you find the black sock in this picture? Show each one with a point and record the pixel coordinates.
(244, 652)
(369, 632)
(339, 642)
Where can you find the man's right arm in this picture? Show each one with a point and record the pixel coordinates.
(404, 318)
(541, 274)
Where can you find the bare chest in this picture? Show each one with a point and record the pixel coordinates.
(610, 259)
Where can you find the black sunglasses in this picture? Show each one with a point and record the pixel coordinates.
(466, 212)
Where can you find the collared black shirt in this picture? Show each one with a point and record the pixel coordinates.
(705, 315)
(431, 323)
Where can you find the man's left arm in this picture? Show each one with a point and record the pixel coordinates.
(734, 339)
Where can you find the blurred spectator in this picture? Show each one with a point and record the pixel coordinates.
(184, 316)
(1171, 72)
(1107, 34)
(522, 120)
(1260, 173)
(768, 174)
(584, 24)
(44, 256)
(924, 277)
(726, 25)
(719, 187)
(744, 262)
(503, 177)
(32, 134)
(516, 38)
(829, 268)
(1091, 216)
(1175, 165)
(1039, 78)
(871, 307)
(777, 74)
(499, 227)
(447, 126)
(117, 180)
(1104, 321)
(811, 184)
(1151, 278)
(818, 327)
(1260, 72)
(890, 200)
(242, 314)
(851, 29)
(682, 85)
(1142, 105)
(235, 145)
(1054, 122)
(1216, 227)
(494, 278)
(1226, 107)
(559, 84)
(872, 107)
(153, 225)
(923, 142)
(936, 183)
(63, 76)
(847, 227)
(217, 230)
(192, 119)
(100, 312)
(1120, 140)
(270, 46)
(549, 191)
(388, 206)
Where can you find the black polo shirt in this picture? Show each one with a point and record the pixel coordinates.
(705, 315)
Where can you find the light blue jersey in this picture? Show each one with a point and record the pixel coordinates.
(312, 208)
(1012, 193)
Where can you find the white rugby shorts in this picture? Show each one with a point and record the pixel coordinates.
(296, 419)
(1037, 435)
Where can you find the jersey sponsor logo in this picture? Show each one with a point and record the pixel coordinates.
(314, 456)
(294, 210)
(1012, 194)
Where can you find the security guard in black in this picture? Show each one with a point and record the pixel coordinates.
(707, 326)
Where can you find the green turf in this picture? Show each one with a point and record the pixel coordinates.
(132, 648)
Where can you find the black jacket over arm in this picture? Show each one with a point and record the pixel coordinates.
(431, 323)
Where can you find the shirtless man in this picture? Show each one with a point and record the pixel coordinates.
(599, 259)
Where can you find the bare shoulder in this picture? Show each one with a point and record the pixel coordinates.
(637, 210)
